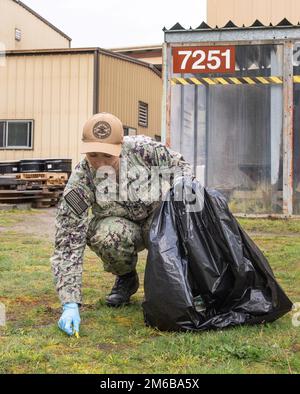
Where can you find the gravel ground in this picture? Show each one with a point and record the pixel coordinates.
(39, 222)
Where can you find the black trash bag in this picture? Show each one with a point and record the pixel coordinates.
(203, 271)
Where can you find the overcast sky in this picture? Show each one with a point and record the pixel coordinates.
(117, 23)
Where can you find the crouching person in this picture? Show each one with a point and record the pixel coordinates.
(118, 228)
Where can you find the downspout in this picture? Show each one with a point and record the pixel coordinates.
(96, 89)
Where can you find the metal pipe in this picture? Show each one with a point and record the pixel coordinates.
(195, 128)
(96, 90)
(164, 95)
(288, 128)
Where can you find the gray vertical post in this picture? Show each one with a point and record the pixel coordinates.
(166, 82)
(276, 104)
(207, 131)
(182, 107)
(196, 110)
(288, 128)
(96, 98)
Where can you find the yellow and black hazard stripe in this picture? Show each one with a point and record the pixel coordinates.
(231, 81)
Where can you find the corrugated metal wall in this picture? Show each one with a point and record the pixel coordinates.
(247, 11)
(54, 90)
(122, 85)
(57, 92)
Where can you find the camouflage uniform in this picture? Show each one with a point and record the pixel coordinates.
(118, 229)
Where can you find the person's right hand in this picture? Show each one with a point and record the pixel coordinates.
(70, 319)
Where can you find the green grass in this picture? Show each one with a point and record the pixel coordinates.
(117, 341)
(8, 218)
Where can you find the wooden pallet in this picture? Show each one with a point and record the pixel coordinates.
(41, 189)
(8, 200)
(48, 178)
(45, 203)
(42, 198)
(7, 194)
(36, 176)
(11, 183)
(47, 200)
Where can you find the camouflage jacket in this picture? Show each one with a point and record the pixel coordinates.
(84, 190)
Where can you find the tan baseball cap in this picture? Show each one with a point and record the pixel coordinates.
(103, 133)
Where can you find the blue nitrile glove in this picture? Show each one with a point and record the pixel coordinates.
(70, 318)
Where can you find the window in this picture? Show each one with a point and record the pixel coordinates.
(143, 114)
(18, 34)
(129, 131)
(16, 134)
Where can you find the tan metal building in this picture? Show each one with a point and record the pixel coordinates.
(247, 11)
(23, 28)
(151, 54)
(47, 95)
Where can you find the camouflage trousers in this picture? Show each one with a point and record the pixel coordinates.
(117, 241)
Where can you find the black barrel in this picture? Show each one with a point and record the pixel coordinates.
(58, 165)
(9, 167)
(32, 165)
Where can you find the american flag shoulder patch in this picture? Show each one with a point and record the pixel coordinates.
(76, 202)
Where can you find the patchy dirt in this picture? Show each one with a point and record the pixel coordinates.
(114, 348)
(41, 224)
(263, 234)
(296, 348)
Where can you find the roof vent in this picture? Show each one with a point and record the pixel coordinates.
(177, 26)
(285, 22)
(229, 25)
(203, 26)
(257, 23)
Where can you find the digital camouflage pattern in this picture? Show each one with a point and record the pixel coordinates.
(117, 241)
(117, 229)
